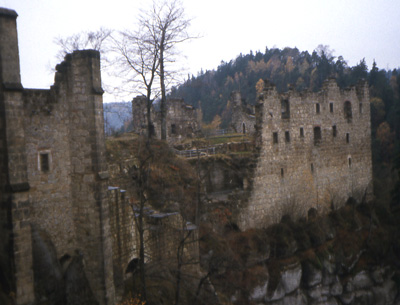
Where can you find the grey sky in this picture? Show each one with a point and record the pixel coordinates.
(352, 28)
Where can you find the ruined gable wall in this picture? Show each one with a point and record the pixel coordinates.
(243, 119)
(294, 175)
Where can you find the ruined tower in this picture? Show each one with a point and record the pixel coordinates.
(15, 203)
(53, 167)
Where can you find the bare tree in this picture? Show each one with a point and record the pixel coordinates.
(136, 62)
(81, 41)
(167, 26)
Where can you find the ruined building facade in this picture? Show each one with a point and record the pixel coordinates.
(53, 167)
(183, 120)
(314, 151)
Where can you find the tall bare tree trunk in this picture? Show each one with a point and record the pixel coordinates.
(163, 94)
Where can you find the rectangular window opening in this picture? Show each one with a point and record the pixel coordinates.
(331, 107)
(301, 132)
(275, 137)
(349, 162)
(347, 138)
(312, 168)
(282, 173)
(287, 136)
(361, 108)
(317, 135)
(317, 108)
(334, 131)
(44, 160)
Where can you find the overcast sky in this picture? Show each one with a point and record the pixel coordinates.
(352, 28)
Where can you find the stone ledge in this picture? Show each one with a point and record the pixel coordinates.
(97, 90)
(4, 12)
(18, 187)
(12, 86)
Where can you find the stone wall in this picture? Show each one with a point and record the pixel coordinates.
(53, 167)
(314, 151)
(243, 116)
(15, 231)
(50, 193)
(182, 119)
(123, 232)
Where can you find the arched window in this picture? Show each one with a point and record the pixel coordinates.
(348, 115)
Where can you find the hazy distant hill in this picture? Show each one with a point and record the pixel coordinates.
(117, 117)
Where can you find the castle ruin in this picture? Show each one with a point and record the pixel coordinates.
(183, 120)
(314, 151)
(54, 183)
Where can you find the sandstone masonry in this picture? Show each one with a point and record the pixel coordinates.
(53, 167)
(314, 151)
(182, 119)
(243, 115)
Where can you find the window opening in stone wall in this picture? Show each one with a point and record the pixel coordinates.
(244, 128)
(347, 111)
(287, 136)
(349, 162)
(347, 138)
(317, 108)
(173, 129)
(285, 108)
(360, 107)
(317, 135)
(152, 130)
(312, 168)
(282, 173)
(301, 132)
(331, 107)
(44, 162)
(334, 131)
(275, 137)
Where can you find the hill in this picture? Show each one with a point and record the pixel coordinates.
(117, 117)
(289, 66)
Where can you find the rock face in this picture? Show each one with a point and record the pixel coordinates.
(305, 284)
(58, 283)
(347, 257)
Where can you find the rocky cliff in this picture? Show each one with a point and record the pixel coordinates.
(347, 257)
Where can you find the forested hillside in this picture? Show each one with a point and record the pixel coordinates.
(283, 67)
